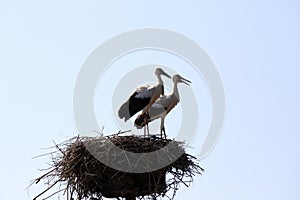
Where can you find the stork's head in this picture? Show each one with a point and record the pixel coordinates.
(160, 71)
(179, 79)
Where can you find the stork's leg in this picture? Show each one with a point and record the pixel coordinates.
(146, 127)
(146, 130)
(162, 128)
(146, 120)
(164, 131)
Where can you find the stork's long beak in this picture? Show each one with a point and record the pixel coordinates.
(185, 81)
(165, 74)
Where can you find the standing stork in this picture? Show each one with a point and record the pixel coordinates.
(143, 97)
(162, 106)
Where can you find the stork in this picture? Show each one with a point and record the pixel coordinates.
(162, 106)
(142, 98)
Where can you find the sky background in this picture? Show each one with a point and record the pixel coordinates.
(254, 44)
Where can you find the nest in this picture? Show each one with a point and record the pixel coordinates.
(76, 168)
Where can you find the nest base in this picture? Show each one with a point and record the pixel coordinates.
(86, 177)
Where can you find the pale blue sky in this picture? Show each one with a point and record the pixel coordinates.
(254, 44)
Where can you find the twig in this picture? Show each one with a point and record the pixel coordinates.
(46, 189)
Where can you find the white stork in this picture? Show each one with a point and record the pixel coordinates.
(143, 97)
(162, 106)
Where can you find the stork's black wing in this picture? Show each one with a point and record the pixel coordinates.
(133, 106)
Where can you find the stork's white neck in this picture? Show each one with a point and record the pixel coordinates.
(175, 91)
(160, 82)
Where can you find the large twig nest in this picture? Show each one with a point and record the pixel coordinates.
(75, 167)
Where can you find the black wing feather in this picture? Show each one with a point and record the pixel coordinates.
(133, 106)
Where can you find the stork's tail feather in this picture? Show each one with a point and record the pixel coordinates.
(124, 111)
(142, 120)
